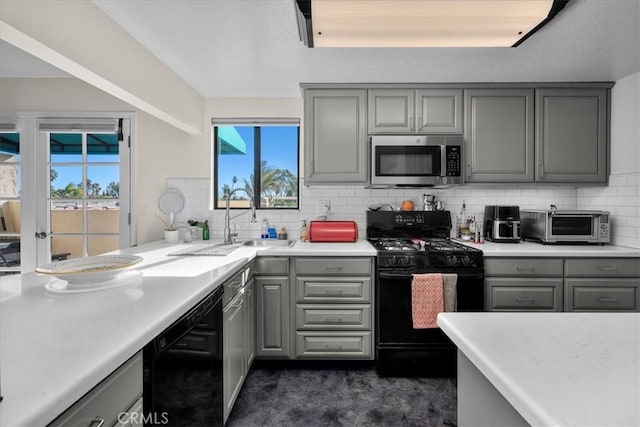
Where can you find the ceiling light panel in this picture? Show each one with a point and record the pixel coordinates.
(424, 23)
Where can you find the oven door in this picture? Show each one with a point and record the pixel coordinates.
(394, 321)
(401, 350)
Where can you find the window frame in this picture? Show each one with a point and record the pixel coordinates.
(257, 125)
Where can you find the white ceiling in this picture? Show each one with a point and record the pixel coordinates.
(251, 48)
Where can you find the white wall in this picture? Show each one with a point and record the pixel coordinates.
(622, 196)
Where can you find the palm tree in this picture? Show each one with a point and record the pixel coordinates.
(274, 183)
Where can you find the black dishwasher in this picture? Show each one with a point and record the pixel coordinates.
(182, 383)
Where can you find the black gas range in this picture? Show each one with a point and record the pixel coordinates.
(412, 243)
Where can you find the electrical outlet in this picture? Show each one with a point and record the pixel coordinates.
(324, 206)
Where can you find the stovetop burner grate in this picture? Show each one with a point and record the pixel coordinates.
(420, 245)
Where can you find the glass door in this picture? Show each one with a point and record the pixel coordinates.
(83, 199)
(10, 191)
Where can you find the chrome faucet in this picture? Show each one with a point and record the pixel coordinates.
(228, 235)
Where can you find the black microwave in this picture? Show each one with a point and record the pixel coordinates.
(416, 160)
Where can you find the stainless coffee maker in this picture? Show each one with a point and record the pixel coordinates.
(430, 203)
(502, 224)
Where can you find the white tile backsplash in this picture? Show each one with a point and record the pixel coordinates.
(351, 203)
(622, 199)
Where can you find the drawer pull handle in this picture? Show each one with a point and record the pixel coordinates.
(333, 291)
(333, 319)
(524, 299)
(603, 299)
(525, 268)
(96, 422)
(235, 285)
(333, 347)
(606, 268)
(333, 268)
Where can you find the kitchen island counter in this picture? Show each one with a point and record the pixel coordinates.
(54, 348)
(561, 369)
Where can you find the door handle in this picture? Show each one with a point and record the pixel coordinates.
(41, 235)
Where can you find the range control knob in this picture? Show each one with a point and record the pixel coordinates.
(466, 260)
(454, 260)
(406, 261)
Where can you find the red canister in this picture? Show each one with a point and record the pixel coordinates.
(333, 231)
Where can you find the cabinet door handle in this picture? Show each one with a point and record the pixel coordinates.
(96, 422)
(524, 299)
(541, 171)
(420, 123)
(606, 268)
(410, 123)
(605, 299)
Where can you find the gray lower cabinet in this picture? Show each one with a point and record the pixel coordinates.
(571, 135)
(562, 284)
(250, 322)
(234, 366)
(335, 136)
(116, 401)
(333, 307)
(415, 111)
(238, 336)
(499, 135)
(523, 284)
(602, 284)
(272, 307)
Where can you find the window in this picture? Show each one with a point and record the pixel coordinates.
(256, 163)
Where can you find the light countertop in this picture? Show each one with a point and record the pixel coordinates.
(533, 249)
(56, 347)
(557, 369)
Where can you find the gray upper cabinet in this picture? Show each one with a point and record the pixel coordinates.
(415, 111)
(391, 111)
(571, 135)
(439, 110)
(499, 135)
(335, 136)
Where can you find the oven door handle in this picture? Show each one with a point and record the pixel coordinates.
(383, 274)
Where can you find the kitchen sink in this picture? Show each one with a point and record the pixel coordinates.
(268, 242)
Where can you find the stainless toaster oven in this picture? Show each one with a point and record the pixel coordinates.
(566, 226)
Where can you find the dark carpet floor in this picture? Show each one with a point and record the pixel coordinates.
(339, 396)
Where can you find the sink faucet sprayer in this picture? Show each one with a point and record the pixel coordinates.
(228, 236)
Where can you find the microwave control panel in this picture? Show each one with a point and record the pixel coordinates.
(454, 160)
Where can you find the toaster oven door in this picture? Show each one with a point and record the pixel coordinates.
(573, 228)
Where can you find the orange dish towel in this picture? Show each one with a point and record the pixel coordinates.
(427, 299)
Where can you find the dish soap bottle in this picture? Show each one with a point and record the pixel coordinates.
(303, 231)
(205, 231)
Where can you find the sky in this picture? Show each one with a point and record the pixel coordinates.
(73, 174)
(279, 146)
